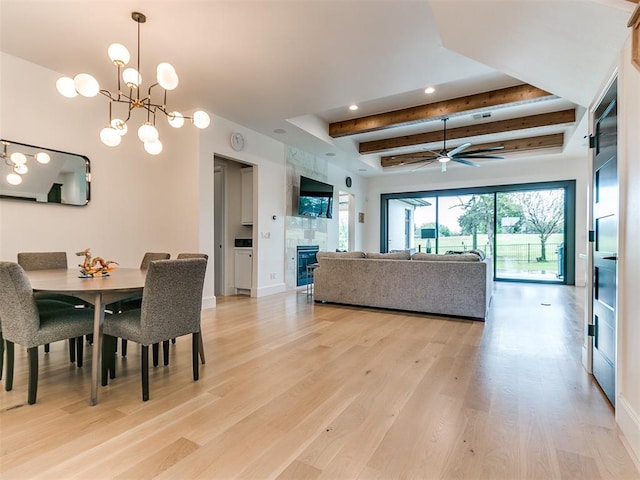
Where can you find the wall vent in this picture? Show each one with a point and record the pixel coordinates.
(478, 116)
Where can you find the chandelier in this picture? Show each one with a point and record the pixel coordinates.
(129, 86)
(18, 163)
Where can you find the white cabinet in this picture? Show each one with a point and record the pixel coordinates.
(243, 268)
(246, 204)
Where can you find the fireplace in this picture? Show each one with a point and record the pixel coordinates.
(306, 255)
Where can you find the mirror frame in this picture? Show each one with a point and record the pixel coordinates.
(87, 176)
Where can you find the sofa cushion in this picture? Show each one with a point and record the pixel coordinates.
(479, 252)
(403, 255)
(455, 257)
(340, 255)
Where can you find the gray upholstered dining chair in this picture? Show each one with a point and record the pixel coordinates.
(135, 302)
(29, 322)
(173, 340)
(171, 307)
(53, 261)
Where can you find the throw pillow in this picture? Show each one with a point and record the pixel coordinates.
(479, 252)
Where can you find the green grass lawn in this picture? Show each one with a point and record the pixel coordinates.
(516, 251)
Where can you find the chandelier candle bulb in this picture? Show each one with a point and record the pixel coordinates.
(167, 76)
(153, 148)
(66, 87)
(18, 158)
(14, 179)
(43, 158)
(147, 133)
(119, 54)
(110, 137)
(119, 126)
(201, 119)
(132, 77)
(176, 119)
(86, 85)
(21, 169)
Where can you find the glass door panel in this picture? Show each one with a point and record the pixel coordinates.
(530, 235)
(465, 222)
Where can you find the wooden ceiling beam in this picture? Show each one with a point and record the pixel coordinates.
(422, 113)
(490, 128)
(516, 145)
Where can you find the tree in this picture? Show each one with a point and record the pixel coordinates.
(478, 215)
(543, 212)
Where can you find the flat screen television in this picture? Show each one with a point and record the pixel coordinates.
(316, 198)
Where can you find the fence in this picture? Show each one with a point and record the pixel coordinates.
(513, 253)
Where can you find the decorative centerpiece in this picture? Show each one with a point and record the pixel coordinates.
(94, 267)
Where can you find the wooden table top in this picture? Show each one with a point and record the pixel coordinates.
(69, 280)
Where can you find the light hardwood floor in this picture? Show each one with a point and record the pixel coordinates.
(296, 390)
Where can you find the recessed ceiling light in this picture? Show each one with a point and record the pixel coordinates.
(330, 154)
(280, 130)
(353, 107)
(429, 90)
(362, 169)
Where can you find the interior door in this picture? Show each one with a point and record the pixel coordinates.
(605, 245)
(219, 230)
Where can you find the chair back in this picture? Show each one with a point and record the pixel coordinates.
(172, 299)
(150, 257)
(18, 309)
(42, 260)
(193, 255)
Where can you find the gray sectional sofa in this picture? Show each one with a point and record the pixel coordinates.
(457, 285)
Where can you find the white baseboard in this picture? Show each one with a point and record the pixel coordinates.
(208, 302)
(628, 422)
(270, 290)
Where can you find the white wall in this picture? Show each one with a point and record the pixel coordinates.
(498, 173)
(268, 159)
(628, 353)
(138, 202)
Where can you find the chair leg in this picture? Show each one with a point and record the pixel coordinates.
(195, 342)
(201, 348)
(8, 381)
(90, 338)
(156, 353)
(124, 347)
(173, 340)
(80, 351)
(108, 359)
(165, 352)
(72, 350)
(1, 354)
(145, 373)
(33, 375)
(46, 348)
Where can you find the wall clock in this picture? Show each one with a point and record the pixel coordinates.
(348, 182)
(237, 141)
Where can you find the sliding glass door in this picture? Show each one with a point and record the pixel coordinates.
(526, 230)
(530, 238)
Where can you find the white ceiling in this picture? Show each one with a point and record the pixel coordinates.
(297, 65)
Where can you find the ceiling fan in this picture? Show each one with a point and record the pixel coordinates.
(457, 154)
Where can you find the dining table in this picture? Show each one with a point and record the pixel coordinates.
(99, 291)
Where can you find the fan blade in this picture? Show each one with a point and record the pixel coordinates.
(484, 150)
(471, 164)
(423, 165)
(417, 159)
(478, 156)
(459, 149)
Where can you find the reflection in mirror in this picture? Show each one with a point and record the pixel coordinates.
(43, 175)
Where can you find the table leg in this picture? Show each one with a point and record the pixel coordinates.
(98, 321)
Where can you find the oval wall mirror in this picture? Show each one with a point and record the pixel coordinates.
(43, 175)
